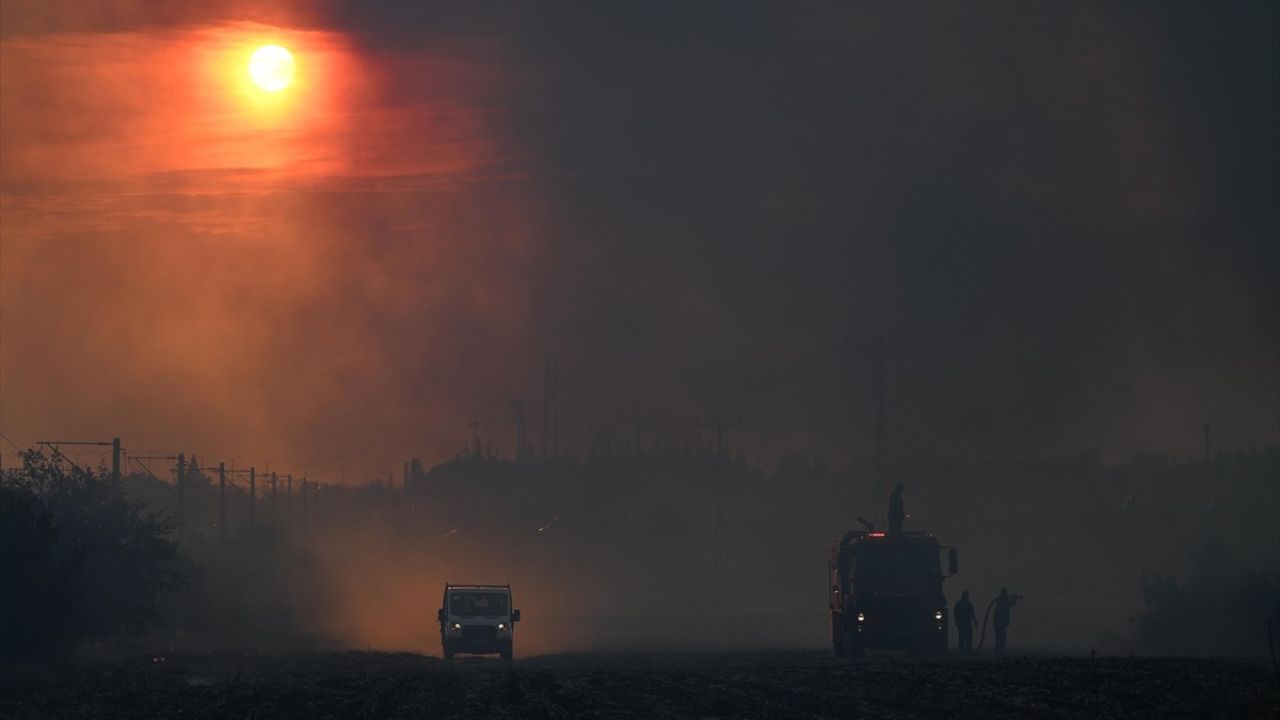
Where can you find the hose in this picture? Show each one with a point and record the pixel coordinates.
(985, 616)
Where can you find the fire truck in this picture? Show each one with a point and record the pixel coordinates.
(886, 592)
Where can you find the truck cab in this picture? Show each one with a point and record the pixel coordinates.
(477, 619)
(886, 592)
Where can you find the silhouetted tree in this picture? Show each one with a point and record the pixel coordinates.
(78, 561)
(26, 561)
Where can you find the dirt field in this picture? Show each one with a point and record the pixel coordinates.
(650, 685)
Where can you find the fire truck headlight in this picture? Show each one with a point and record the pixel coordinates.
(937, 615)
(861, 617)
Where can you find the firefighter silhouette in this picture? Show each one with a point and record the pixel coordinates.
(896, 511)
(1004, 604)
(966, 621)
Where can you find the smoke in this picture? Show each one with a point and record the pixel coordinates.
(301, 283)
(348, 276)
(630, 560)
(1061, 219)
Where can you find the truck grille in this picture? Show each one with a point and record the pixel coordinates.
(479, 632)
(902, 620)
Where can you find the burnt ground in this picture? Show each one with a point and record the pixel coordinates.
(799, 684)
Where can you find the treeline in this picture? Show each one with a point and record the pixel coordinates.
(87, 561)
(623, 533)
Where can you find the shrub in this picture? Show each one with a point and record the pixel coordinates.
(1220, 608)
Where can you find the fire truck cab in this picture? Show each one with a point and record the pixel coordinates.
(886, 592)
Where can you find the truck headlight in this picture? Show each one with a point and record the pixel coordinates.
(456, 626)
(861, 617)
(502, 626)
(937, 615)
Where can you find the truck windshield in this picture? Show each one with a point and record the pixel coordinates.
(881, 560)
(478, 603)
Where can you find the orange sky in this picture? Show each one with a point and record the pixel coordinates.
(194, 264)
(161, 110)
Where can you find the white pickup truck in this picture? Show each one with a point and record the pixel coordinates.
(477, 619)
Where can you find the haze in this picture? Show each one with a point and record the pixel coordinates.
(1062, 218)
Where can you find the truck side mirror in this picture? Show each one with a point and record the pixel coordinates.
(953, 561)
(515, 616)
(440, 615)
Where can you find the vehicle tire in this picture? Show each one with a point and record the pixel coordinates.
(507, 652)
(856, 648)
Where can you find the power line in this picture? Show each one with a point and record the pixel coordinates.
(15, 445)
(113, 443)
(180, 486)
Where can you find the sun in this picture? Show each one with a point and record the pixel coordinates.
(271, 68)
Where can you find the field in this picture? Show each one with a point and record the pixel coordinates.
(800, 684)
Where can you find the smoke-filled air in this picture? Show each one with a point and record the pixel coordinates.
(711, 327)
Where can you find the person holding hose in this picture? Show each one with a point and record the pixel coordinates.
(1004, 604)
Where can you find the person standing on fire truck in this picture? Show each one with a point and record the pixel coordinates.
(896, 512)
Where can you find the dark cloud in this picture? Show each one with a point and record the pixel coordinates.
(1026, 195)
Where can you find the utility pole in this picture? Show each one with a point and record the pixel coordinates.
(115, 463)
(182, 498)
(519, 405)
(222, 503)
(602, 439)
(720, 425)
(475, 434)
(639, 423)
(253, 498)
(233, 472)
(550, 408)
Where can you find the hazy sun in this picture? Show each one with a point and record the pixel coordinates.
(271, 68)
